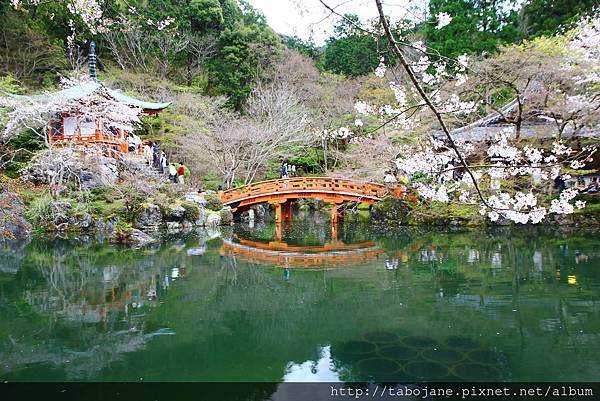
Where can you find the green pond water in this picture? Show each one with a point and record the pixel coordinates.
(238, 305)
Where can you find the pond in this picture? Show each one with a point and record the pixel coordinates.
(239, 305)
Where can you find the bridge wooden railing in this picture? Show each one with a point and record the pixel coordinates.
(305, 184)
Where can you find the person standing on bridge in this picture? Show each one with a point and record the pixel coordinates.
(284, 169)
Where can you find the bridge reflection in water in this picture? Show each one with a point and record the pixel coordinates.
(331, 255)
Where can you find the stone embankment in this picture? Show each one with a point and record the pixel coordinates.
(194, 210)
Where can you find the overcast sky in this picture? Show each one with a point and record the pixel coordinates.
(308, 18)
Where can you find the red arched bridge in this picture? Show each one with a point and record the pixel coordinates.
(283, 191)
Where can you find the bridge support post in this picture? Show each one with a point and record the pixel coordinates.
(287, 210)
(335, 219)
(278, 212)
(335, 214)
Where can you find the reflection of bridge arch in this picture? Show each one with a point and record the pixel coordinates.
(280, 254)
(280, 192)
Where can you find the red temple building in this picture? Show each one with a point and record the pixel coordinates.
(70, 128)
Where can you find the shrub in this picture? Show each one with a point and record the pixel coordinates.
(226, 216)
(106, 194)
(191, 211)
(39, 212)
(133, 199)
(213, 201)
(123, 230)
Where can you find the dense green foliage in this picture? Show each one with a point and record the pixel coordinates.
(231, 44)
(29, 51)
(304, 47)
(544, 17)
(351, 56)
(242, 52)
(225, 46)
(222, 45)
(477, 26)
(349, 51)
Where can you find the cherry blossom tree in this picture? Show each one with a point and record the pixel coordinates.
(509, 181)
(34, 112)
(57, 165)
(555, 91)
(88, 11)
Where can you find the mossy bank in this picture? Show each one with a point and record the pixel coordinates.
(395, 211)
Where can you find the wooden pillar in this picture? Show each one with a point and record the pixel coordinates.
(287, 210)
(335, 219)
(278, 212)
(334, 213)
(124, 143)
(334, 231)
(98, 132)
(50, 132)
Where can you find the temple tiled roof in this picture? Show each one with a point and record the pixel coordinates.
(86, 89)
(492, 118)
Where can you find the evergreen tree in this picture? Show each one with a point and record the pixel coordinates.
(305, 47)
(245, 44)
(477, 26)
(544, 17)
(349, 51)
(245, 52)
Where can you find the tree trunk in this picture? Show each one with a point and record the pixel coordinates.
(519, 121)
(189, 68)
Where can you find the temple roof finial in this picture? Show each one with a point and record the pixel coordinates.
(92, 61)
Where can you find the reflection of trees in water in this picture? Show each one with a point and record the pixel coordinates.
(78, 300)
(307, 228)
(540, 284)
(229, 270)
(99, 351)
(490, 270)
(489, 255)
(88, 304)
(243, 287)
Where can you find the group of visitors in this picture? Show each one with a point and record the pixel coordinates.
(286, 169)
(178, 172)
(591, 187)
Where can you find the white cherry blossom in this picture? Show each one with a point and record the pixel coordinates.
(443, 20)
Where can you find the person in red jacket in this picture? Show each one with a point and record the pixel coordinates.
(181, 173)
